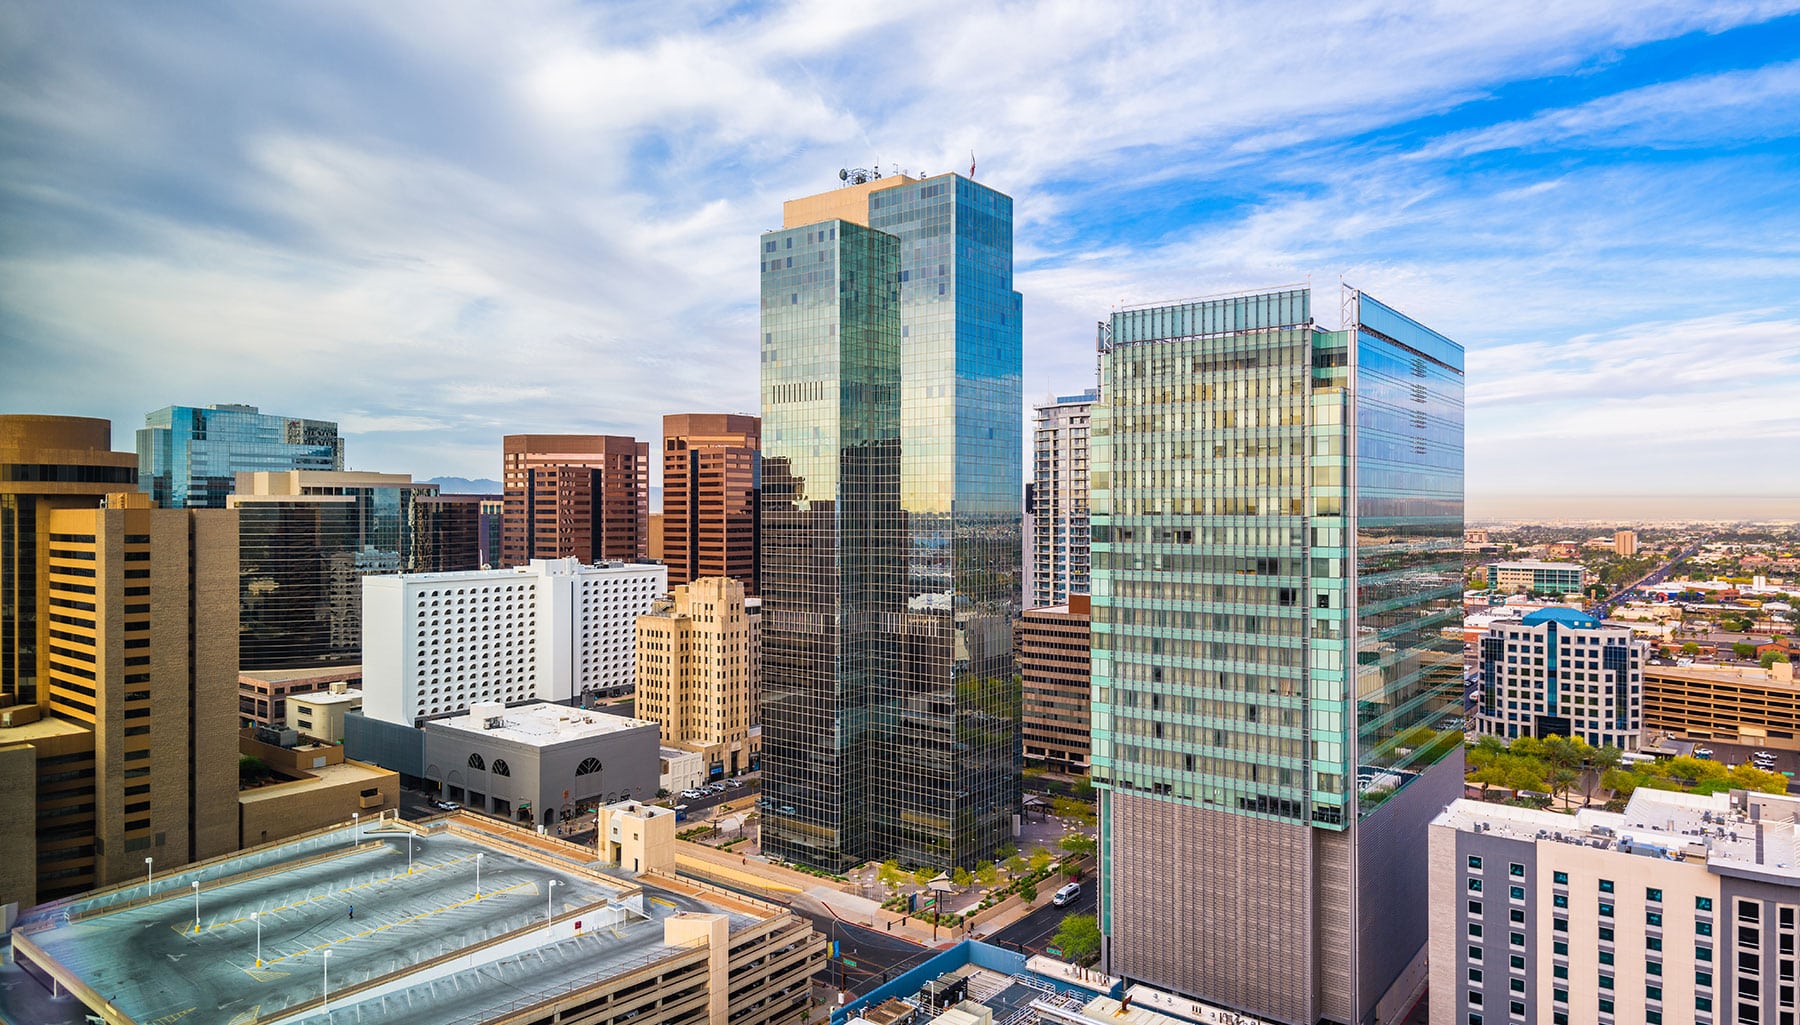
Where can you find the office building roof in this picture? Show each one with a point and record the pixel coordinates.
(538, 725)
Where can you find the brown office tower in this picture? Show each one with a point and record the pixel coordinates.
(132, 744)
(712, 487)
(583, 496)
(46, 462)
(1053, 668)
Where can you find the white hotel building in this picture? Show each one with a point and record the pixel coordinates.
(437, 643)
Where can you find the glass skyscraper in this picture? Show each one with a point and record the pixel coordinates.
(1277, 555)
(189, 457)
(890, 539)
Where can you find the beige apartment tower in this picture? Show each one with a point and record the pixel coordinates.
(134, 740)
(697, 675)
(1625, 542)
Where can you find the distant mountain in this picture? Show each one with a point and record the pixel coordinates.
(465, 486)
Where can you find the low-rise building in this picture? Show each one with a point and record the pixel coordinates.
(1560, 672)
(312, 786)
(540, 762)
(1545, 577)
(263, 693)
(1735, 704)
(320, 714)
(454, 921)
(681, 769)
(1683, 908)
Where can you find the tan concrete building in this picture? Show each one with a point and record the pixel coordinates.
(1053, 666)
(581, 496)
(319, 787)
(711, 496)
(1625, 542)
(1738, 705)
(46, 462)
(637, 837)
(695, 676)
(133, 747)
(321, 714)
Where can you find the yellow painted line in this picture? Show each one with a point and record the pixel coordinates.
(246, 1017)
(189, 930)
(177, 1016)
(412, 918)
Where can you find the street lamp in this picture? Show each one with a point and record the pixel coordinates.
(409, 850)
(549, 896)
(327, 963)
(356, 827)
(150, 875)
(196, 906)
(256, 916)
(477, 876)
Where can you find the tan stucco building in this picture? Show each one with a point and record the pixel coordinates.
(696, 673)
(322, 788)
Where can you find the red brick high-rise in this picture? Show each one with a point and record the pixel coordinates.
(585, 496)
(711, 492)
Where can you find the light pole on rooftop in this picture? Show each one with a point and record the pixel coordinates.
(478, 875)
(327, 990)
(356, 828)
(149, 874)
(256, 916)
(549, 896)
(196, 906)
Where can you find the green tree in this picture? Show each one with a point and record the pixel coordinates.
(1744, 650)
(1084, 789)
(1078, 845)
(1690, 648)
(923, 874)
(1028, 891)
(890, 874)
(1621, 782)
(1040, 860)
(1015, 865)
(987, 873)
(1079, 939)
(1769, 658)
(961, 877)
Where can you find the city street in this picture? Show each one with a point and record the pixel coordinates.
(1032, 933)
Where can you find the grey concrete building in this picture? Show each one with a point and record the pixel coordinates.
(1682, 908)
(538, 763)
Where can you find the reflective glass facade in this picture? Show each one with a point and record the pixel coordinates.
(300, 584)
(936, 732)
(832, 533)
(189, 457)
(1277, 523)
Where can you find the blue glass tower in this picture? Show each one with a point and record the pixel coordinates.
(1277, 707)
(189, 457)
(913, 751)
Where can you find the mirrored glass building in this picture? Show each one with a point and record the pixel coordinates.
(1277, 555)
(891, 523)
(189, 456)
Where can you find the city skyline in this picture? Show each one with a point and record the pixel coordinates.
(437, 230)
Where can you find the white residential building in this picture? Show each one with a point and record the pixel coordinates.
(1561, 672)
(1058, 562)
(551, 630)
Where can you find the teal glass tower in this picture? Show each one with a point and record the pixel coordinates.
(890, 529)
(189, 457)
(1277, 555)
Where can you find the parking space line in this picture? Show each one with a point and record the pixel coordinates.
(410, 918)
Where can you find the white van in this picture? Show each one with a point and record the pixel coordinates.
(1066, 895)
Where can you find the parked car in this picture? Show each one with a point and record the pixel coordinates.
(1703, 752)
(1763, 756)
(446, 805)
(1066, 895)
(691, 794)
(735, 784)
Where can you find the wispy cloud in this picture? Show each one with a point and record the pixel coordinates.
(440, 223)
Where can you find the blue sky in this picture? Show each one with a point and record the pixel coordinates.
(438, 223)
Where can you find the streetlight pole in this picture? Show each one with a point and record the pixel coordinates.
(409, 850)
(327, 962)
(356, 828)
(256, 916)
(549, 897)
(149, 875)
(196, 906)
(478, 876)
